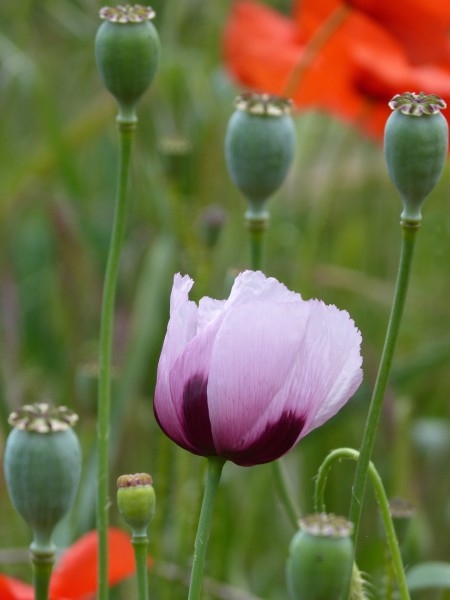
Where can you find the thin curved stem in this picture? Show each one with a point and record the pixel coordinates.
(383, 502)
(281, 480)
(373, 417)
(215, 466)
(140, 545)
(126, 132)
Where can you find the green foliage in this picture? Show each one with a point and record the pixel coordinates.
(333, 235)
(429, 575)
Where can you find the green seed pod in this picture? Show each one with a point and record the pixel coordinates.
(320, 558)
(259, 147)
(136, 501)
(42, 464)
(127, 53)
(415, 147)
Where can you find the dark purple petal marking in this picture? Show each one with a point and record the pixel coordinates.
(276, 439)
(196, 423)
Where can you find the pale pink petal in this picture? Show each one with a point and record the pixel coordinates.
(248, 286)
(188, 382)
(254, 285)
(342, 342)
(328, 368)
(277, 372)
(209, 310)
(181, 329)
(183, 318)
(254, 373)
(254, 351)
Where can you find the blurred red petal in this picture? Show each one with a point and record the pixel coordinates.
(75, 576)
(354, 73)
(375, 80)
(251, 34)
(309, 15)
(421, 26)
(13, 589)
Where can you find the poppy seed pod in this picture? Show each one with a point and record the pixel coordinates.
(136, 501)
(415, 147)
(320, 558)
(42, 464)
(259, 147)
(127, 52)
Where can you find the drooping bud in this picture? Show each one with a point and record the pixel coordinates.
(42, 464)
(136, 501)
(320, 558)
(127, 51)
(259, 148)
(415, 147)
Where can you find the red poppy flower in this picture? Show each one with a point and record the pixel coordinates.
(352, 76)
(75, 575)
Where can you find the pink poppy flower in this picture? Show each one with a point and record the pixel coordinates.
(75, 575)
(246, 378)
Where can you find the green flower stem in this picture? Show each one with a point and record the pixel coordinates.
(126, 132)
(257, 226)
(257, 229)
(281, 481)
(408, 239)
(215, 466)
(140, 545)
(383, 502)
(42, 570)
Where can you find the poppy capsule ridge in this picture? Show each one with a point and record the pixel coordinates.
(259, 147)
(42, 464)
(415, 148)
(320, 558)
(127, 52)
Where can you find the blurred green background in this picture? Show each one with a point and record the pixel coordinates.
(334, 235)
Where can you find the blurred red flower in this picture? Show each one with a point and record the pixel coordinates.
(421, 26)
(359, 65)
(75, 575)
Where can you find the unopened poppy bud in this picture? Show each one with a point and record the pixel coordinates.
(127, 52)
(415, 147)
(136, 501)
(259, 147)
(42, 464)
(320, 558)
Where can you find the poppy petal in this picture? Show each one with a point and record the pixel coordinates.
(421, 26)
(13, 589)
(254, 352)
(182, 327)
(76, 574)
